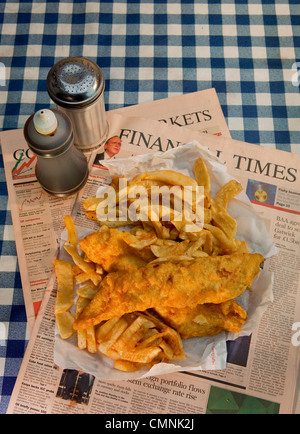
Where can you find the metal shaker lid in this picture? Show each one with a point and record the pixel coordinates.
(75, 82)
(49, 145)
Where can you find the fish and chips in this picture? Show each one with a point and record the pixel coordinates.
(143, 290)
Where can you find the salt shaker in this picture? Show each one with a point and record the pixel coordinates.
(61, 168)
(76, 85)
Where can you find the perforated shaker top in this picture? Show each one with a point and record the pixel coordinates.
(75, 82)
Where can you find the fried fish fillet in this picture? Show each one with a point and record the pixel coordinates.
(111, 249)
(212, 279)
(204, 319)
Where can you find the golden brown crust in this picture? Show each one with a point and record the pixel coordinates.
(214, 279)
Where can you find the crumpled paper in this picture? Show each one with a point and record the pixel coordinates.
(202, 353)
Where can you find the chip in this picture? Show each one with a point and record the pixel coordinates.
(202, 175)
(72, 234)
(227, 193)
(65, 285)
(226, 223)
(140, 241)
(170, 177)
(86, 267)
(88, 291)
(91, 340)
(65, 321)
(124, 365)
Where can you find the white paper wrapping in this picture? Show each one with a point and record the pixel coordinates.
(202, 353)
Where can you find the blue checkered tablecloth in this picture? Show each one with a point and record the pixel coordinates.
(249, 51)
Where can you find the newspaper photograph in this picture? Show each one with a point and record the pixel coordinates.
(261, 368)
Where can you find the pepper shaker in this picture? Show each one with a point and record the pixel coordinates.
(61, 168)
(76, 85)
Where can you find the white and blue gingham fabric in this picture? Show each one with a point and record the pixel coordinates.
(249, 51)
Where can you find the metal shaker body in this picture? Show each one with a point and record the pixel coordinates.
(61, 168)
(76, 85)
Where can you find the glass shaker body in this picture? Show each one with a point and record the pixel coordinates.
(76, 85)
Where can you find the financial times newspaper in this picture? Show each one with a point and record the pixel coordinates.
(262, 368)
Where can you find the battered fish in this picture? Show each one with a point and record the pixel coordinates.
(111, 249)
(211, 279)
(204, 319)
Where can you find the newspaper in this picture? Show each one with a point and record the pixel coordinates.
(200, 111)
(38, 217)
(262, 368)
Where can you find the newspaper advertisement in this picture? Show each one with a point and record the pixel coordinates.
(261, 371)
(38, 216)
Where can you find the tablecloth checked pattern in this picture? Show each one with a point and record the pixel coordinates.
(249, 51)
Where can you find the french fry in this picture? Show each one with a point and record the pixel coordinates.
(174, 259)
(202, 175)
(115, 224)
(167, 349)
(109, 352)
(145, 355)
(199, 254)
(104, 329)
(227, 193)
(124, 365)
(91, 203)
(87, 267)
(88, 291)
(177, 248)
(196, 245)
(65, 321)
(91, 215)
(81, 334)
(81, 278)
(170, 336)
(91, 340)
(226, 223)
(81, 339)
(65, 285)
(85, 338)
(99, 269)
(113, 336)
(173, 339)
(133, 333)
(140, 241)
(154, 339)
(241, 247)
(81, 303)
(171, 177)
(207, 215)
(223, 241)
(72, 234)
